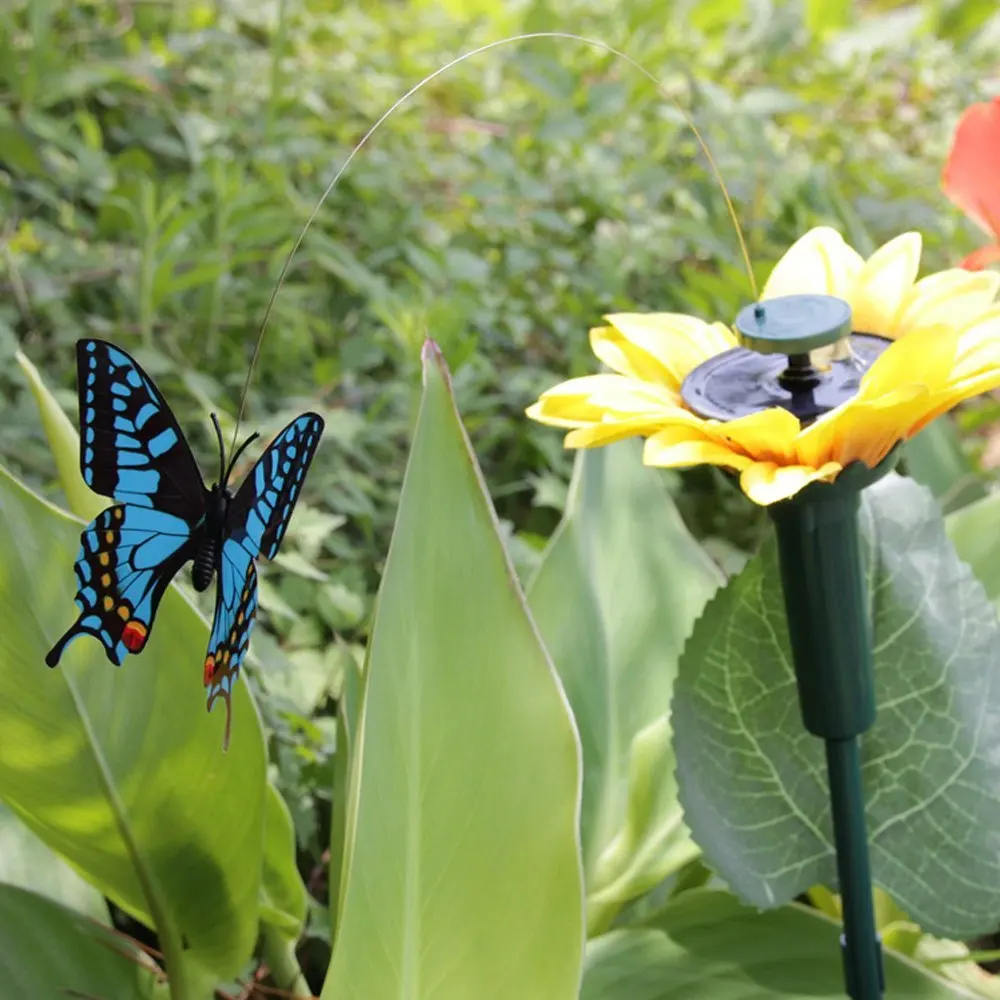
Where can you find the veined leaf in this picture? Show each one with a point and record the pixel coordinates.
(462, 875)
(753, 781)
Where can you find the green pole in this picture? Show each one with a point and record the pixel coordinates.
(826, 601)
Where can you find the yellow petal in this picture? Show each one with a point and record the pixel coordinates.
(883, 284)
(595, 435)
(956, 297)
(864, 430)
(677, 342)
(624, 357)
(685, 453)
(925, 356)
(768, 435)
(594, 398)
(766, 483)
(819, 262)
(978, 348)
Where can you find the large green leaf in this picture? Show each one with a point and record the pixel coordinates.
(283, 896)
(49, 952)
(617, 593)
(935, 458)
(65, 445)
(25, 861)
(753, 782)
(463, 874)
(121, 771)
(974, 530)
(348, 716)
(706, 945)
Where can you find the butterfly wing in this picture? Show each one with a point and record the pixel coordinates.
(255, 524)
(131, 448)
(128, 556)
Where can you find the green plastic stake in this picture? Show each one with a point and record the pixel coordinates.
(826, 603)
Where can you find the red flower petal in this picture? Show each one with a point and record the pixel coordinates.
(971, 177)
(981, 258)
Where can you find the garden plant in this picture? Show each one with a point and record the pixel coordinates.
(519, 720)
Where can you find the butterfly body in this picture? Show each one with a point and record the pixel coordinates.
(133, 451)
(210, 544)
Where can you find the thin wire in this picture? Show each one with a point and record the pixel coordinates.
(528, 36)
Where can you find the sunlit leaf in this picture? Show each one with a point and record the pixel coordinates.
(462, 874)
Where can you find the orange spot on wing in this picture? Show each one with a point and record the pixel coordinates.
(109, 603)
(134, 635)
(104, 558)
(118, 513)
(123, 612)
(109, 537)
(106, 580)
(209, 669)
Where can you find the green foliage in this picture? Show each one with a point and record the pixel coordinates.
(156, 163)
(48, 952)
(464, 799)
(615, 596)
(707, 944)
(759, 807)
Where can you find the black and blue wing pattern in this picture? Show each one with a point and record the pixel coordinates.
(131, 448)
(132, 451)
(255, 524)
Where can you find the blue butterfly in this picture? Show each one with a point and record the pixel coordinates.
(132, 451)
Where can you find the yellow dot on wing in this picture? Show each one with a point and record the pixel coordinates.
(109, 603)
(119, 513)
(106, 580)
(109, 537)
(123, 612)
(104, 558)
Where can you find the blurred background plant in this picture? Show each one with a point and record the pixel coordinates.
(158, 159)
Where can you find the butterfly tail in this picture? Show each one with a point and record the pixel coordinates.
(78, 628)
(222, 695)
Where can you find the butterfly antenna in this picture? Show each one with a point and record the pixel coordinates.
(222, 451)
(527, 36)
(236, 454)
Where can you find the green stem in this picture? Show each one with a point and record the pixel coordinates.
(279, 955)
(860, 943)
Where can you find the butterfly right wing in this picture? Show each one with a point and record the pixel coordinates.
(128, 556)
(131, 447)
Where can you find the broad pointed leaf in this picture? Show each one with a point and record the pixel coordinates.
(463, 873)
(616, 595)
(753, 782)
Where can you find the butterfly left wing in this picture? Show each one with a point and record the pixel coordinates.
(255, 524)
(128, 556)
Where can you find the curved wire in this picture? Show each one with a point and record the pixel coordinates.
(528, 36)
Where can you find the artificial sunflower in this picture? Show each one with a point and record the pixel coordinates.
(945, 330)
